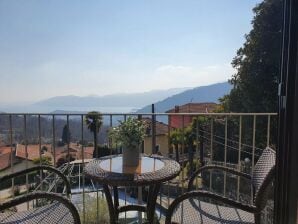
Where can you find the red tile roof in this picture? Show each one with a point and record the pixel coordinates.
(5, 149)
(32, 150)
(194, 108)
(88, 150)
(74, 150)
(4, 160)
(60, 151)
(88, 153)
(5, 156)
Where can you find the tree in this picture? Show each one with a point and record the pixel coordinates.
(93, 121)
(175, 140)
(182, 139)
(66, 135)
(255, 83)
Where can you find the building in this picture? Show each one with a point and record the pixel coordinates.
(6, 155)
(161, 137)
(184, 121)
(33, 151)
(88, 151)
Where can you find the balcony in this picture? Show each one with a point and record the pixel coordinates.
(233, 140)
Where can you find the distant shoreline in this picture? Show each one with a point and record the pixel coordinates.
(69, 110)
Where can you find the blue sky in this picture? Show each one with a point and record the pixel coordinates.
(70, 47)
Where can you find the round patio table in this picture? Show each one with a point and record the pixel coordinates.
(151, 171)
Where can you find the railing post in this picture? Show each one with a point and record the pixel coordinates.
(54, 139)
(140, 199)
(142, 145)
(110, 142)
(153, 128)
(268, 131)
(211, 150)
(39, 139)
(139, 189)
(169, 135)
(177, 152)
(68, 140)
(183, 148)
(83, 166)
(40, 159)
(54, 146)
(190, 157)
(253, 153)
(26, 153)
(11, 153)
(225, 157)
(239, 155)
(201, 133)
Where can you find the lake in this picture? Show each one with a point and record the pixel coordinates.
(48, 109)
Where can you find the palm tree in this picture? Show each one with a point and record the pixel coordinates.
(176, 140)
(93, 121)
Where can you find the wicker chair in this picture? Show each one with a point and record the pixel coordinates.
(192, 208)
(58, 209)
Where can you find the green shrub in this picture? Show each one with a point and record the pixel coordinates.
(196, 165)
(91, 211)
(44, 160)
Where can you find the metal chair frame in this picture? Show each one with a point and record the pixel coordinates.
(260, 192)
(40, 194)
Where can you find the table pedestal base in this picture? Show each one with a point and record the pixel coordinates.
(115, 209)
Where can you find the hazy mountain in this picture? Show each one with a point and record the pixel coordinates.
(125, 103)
(136, 100)
(209, 93)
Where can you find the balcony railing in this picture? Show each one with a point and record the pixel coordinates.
(193, 139)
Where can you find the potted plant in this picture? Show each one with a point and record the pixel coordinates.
(130, 134)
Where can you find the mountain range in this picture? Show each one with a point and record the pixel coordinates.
(136, 100)
(125, 103)
(210, 93)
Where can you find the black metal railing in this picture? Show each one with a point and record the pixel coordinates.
(193, 139)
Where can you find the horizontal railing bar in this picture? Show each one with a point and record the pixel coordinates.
(135, 114)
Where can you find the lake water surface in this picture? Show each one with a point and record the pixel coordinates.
(43, 109)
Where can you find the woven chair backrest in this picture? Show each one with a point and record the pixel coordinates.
(262, 177)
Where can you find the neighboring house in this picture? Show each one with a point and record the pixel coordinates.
(161, 133)
(18, 162)
(33, 151)
(185, 120)
(64, 154)
(75, 152)
(6, 157)
(5, 161)
(88, 151)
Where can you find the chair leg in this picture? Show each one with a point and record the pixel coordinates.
(257, 218)
(113, 215)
